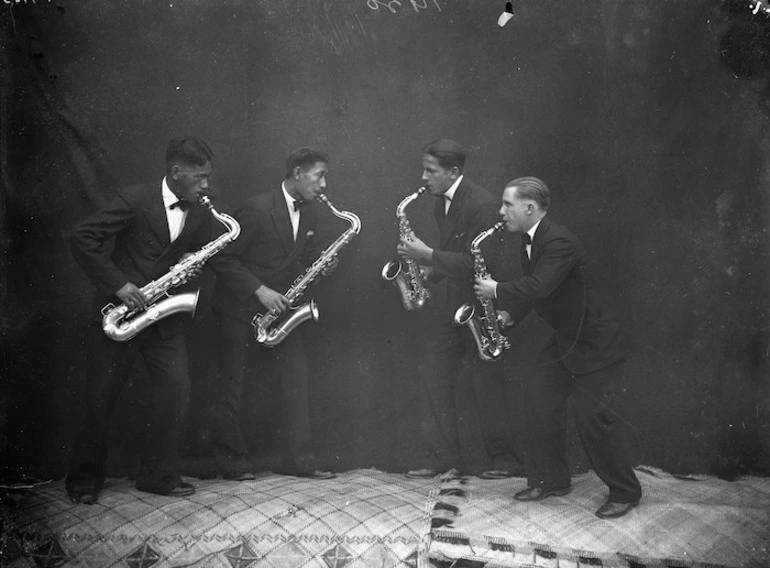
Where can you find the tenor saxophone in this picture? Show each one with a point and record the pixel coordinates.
(490, 343)
(270, 329)
(122, 323)
(410, 282)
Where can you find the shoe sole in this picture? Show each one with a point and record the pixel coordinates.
(557, 493)
(624, 513)
(496, 476)
(84, 499)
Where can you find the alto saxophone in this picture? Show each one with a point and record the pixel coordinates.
(269, 329)
(485, 329)
(122, 323)
(410, 282)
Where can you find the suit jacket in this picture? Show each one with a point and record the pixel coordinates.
(558, 285)
(264, 253)
(473, 210)
(129, 241)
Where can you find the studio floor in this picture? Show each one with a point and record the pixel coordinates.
(368, 518)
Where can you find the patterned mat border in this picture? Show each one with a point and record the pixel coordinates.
(456, 549)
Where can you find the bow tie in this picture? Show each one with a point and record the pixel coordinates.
(526, 239)
(183, 205)
(299, 203)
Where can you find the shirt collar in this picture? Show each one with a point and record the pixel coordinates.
(168, 195)
(450, 193)
(533, 229)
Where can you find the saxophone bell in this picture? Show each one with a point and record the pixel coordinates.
(487, 350)
(121, 324)
(282, 326)
(395, 272)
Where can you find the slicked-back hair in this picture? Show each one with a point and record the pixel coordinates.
(532, 188)
(304, 157)
(189, 150)
(448, 153)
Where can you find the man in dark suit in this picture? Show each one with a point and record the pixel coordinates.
(277, 243)
(583, 362)
(462, 210)
(135, 239)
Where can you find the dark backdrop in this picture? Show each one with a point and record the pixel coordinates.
(648, 119)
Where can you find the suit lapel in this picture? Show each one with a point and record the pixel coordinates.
(281, 221)
(191, 222)
(155, 212)
(305, 222)
(458, 202)
(537, 241)
(526, 265)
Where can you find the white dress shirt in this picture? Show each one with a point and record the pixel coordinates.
(293, 211)
(449, 194)
(531, 234)
(175, 216)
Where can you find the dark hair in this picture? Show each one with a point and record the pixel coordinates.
(189, 150)
(448, 153)
(532, 188)
(304, 157)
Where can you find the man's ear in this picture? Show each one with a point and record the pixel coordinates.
(175, 171)
(297, 171)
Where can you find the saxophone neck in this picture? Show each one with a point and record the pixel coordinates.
(476, 243)
(233, 227)
(352, 218)
(401, 209)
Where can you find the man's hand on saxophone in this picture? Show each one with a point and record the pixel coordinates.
(195, 270)
(485, 288)
(274, 302)
(504, 318)
(415, 249)
(132, 297)
(331, 267)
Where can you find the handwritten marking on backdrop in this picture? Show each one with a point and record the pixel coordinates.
(395, 5)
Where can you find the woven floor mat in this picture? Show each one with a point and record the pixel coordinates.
(363, 518)
(691, 522)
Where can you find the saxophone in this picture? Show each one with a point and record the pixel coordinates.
(269, 329)
(121, 323)
(485, 329)
(409, 282)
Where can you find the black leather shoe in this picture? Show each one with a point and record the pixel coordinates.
(317, 474)
(538, 493)
(181, 490)
(84, 496)
(241, 476)
(424, 473)
(496, 474)
(612, 510)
